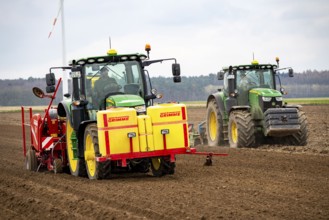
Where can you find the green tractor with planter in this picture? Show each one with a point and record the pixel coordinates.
(249, 110)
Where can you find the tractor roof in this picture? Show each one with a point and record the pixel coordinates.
(254, 65)
(111, 56)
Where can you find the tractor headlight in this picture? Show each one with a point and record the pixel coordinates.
(140, 109)
(279, 99)
(267, 99)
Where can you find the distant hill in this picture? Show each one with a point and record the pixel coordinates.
(194, 88)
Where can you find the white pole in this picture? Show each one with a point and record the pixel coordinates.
(65, 83)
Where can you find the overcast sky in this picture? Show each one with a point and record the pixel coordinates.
(204, 35)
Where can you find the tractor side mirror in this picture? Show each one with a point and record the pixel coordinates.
(50, 89)
(175, 69)
(220, 75)
(51, 81)
(291, 73)
(176, 72)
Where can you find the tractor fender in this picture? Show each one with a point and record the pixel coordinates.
(64, 110)
(240, 107)
(81, 133)
(218, 98)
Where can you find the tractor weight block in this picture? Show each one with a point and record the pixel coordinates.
(281, 121)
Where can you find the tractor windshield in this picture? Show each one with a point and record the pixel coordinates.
(255, 78)
(113, 78)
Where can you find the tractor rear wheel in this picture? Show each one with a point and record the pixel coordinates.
(95, 169)
(241, 132)
(31, 161)
(214, 128)
(76, 164)
(300, 138)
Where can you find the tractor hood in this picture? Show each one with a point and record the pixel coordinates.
(264, 92)
(125, 100)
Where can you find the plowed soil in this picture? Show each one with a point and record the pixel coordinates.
(270, 182)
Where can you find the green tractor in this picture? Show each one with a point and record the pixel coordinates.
(111, 123)
(249, 110)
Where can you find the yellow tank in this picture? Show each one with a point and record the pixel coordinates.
(117, 131)
(170, 129)
(121, 131)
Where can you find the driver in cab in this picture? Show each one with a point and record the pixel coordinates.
(105, 85)
(246, 80)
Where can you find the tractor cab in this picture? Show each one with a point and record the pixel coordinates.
(115, 80)
(244, 84)
(112, 84)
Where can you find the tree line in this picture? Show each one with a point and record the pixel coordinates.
(310, 83)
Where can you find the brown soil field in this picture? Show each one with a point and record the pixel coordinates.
(269, 182)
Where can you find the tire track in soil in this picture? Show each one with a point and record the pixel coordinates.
(49, 195)
(44, 187)
(52, 188)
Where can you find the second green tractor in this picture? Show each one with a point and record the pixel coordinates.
(249, 110)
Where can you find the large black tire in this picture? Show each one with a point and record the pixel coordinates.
(300, 138)
(76, 164)
(31, 162)
(95, 169)
(241, 129)
(214, 125)
(157, 166)
(169, 167)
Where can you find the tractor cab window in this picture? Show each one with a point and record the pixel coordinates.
(248, 79)
(108, 79)
(267, 79)
(255, 78)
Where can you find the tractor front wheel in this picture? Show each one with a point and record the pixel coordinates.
(95, 169)
(157, 166)
(169, 167)
(241, 130)
(76, 164)
(161, 166)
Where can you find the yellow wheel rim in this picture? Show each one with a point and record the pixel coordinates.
(90, 155)
(212, 125)
(73, 163)
(156, 163)
(234, 132)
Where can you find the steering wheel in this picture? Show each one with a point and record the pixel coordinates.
(110, 94)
